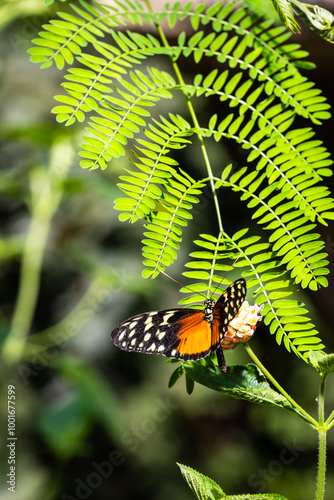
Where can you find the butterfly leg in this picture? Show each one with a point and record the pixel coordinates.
(221, 359)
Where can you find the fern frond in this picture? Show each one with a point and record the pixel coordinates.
(266, 91)
(63, 40)
(165, 225)
(90, 86)
(256, 47)
(285, 12)
(226, 17)
(286, 318)
(270, 118)
(320, 20)
(159, 192)
(292, 239)
(207, 261)
(153, 167)
(296, 164)
(123, 116)
(292, 89)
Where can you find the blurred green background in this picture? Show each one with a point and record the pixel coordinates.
(93, 421)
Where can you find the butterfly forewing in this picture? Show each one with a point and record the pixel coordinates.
(153, 332)
(181, 333)
(194, 339)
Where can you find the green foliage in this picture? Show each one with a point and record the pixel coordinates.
(207, 489)
(50, 2)
(324, 363)
(257, 74)
(320, 20)
(285, 11)
(204, 487)
(286, 317)
(240, 382)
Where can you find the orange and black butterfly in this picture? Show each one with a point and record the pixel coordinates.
(188, 334)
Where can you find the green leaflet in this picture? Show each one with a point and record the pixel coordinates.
(240, 382)
(203, 487)
(207, 489)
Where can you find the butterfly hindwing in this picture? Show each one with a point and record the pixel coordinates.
(226, 308)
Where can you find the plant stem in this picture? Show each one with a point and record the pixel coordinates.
(194, 119)
(330, 421)
(267, 374)
(45, 196)
(322, 430)
(29, 284)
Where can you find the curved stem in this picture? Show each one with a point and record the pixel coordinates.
(322, 430)
(46, 192)
(194, 119)
(267, 374)
(28, 287)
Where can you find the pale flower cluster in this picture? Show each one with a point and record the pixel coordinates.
(242, 326)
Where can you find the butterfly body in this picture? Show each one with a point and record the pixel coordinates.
(187, 334)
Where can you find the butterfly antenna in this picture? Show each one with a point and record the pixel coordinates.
(183, 286)
(233, 263)
(163, 272)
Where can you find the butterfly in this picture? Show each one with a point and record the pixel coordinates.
(182, 333)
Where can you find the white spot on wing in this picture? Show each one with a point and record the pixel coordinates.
(132, 327)
(121, 335)
(166, 319)
(148, 323)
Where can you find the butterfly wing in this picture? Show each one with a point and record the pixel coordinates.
(166, 332)
(226, 308)
(180, 333)
(193, 339)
